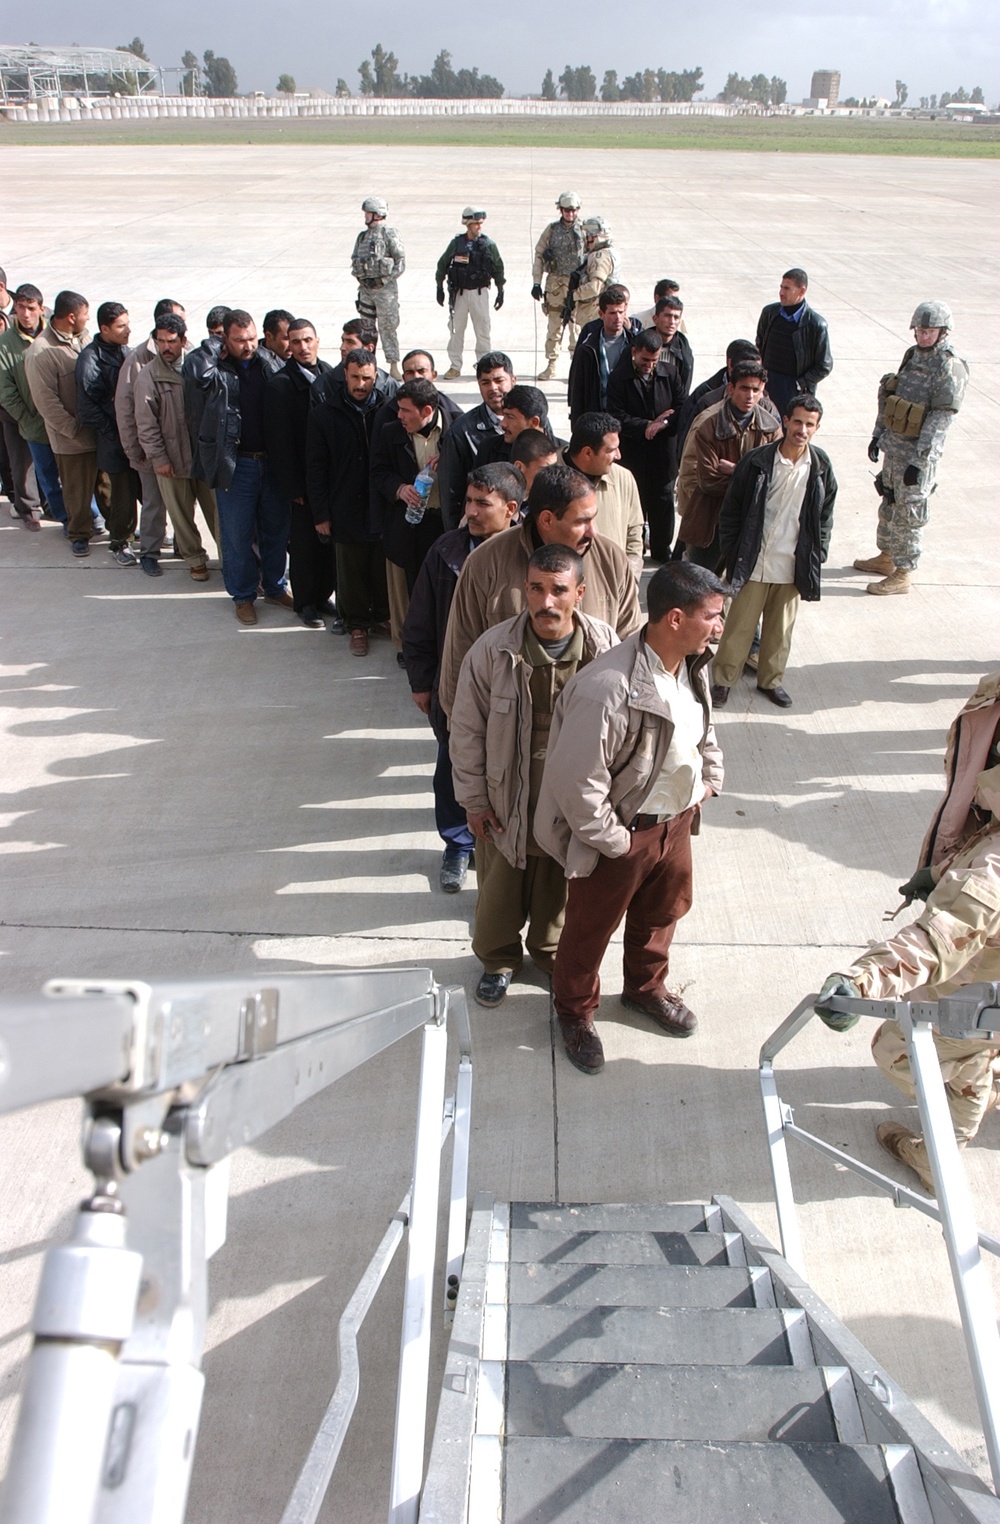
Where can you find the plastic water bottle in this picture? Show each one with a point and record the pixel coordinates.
(423, 484)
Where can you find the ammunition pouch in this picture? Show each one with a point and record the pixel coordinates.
(902, 417)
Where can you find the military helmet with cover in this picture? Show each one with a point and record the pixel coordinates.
(596, 227)
(376, 206)
(470, 214)
(931, 315)
(569, 201)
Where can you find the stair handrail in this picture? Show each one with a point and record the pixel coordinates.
(175, 1075)
(971, 1012)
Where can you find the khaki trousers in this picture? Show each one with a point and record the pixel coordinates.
(180, 493)
(399, 600)
(776, 604)
(78, 475)
(968, 1069)
(507, 898)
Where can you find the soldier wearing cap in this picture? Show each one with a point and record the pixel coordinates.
(601, 268)
(558, 252)
(377, 263)
(916, 405)
(469, 266)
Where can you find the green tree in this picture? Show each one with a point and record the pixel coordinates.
(961, 94)
(736, 88)
(191, 81)
(135, 47)
(682, 86)
(779, 91)
(977, 96)
(285, 85)
(444, 83)
(901, 93)
(578, 84)
(610, 89)
(342, 89)
(382, 79)
(220, 76)
(548, 87)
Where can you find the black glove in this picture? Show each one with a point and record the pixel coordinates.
(919, 886)
(837, 984)
(911, 476)
(499, 301)
(536, 293)
(873, 450)
(440, 296)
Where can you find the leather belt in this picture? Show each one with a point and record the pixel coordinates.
(252, 454)
(647, 822)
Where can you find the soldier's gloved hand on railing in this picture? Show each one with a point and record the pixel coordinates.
(837, 984)
(919, 886)
(873, 450)
(536, 293)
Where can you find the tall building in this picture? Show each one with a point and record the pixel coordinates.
(826, 86)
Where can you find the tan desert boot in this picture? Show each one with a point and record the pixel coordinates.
(881, 565)
(905, 1146)
(896, 582)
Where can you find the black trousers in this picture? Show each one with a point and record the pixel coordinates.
(362, 594)
(312, 566)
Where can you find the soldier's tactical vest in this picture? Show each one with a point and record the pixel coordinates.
(469, 269)
(565, 251)
(372, 260)
(927, 378)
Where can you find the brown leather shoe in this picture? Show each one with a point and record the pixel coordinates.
(246, 613)
(199, 573)
(583, 1046)
(283, 600)
(358, 644)
(668, 1011)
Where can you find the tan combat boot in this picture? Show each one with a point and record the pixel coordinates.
(452, 373)
(881, 565)
(905, 1146)
(548, 374)
(395, 372)
(896, 582)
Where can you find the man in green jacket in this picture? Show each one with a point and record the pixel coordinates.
(19, 419)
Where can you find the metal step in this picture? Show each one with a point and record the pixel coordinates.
(588, 1481)
(616, 1217)
(659, 1336)
(558, 1247)
(576, 1285)
(689, 1402)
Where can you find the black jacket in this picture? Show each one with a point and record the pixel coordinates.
(97, 369)
(212, 405)
(450, 412)
(427, 619)
(394, 462)
(741, 521)
(584, 394)
(635, 405)
(472, 440)
(287, 403)
(338, 440)
(810, 341)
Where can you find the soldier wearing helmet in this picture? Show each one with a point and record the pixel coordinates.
(376, 264)
(601, 268)
(916, 405)
(469, 266)
(558, 252)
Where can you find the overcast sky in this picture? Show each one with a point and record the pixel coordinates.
(934, 45)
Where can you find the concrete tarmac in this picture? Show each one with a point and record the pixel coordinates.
(185, 797)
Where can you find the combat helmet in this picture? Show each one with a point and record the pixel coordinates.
(569, 201)
(931, 315)
(596, 227)
(376, 206)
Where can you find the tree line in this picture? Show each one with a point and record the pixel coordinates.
(381, 77)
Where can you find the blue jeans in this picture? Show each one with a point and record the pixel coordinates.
(47, 475)
(254, 523)
(449, 816)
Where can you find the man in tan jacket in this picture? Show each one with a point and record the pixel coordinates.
(632, 756)
(561, 510)
(50, 370)
(743, 421)
(507, 690)
(593, 450)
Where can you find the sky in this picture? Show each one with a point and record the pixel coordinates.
(933, 45)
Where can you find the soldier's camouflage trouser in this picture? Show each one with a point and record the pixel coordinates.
(903, 511)
(968, 1069)
(383, 306)
(553, 301)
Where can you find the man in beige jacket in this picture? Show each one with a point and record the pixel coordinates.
(954, 941)
(561, 510)
(632, 756)
(593, 450)
(507, 690)
(50, 371)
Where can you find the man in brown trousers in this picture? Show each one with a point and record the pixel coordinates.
(50, 370)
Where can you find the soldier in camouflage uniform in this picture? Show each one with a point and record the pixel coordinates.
(916, 405)
(601, 268)
(558, 252)
(376, 264)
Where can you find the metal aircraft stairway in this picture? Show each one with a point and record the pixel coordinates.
(620, 1363)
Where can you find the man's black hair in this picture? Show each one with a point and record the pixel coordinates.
(558, 558)
(589, 430)
(796, 274)
(236, 317)
(529, 401)
(297, 323)
(664, 288)
(531, 444)
(421, 392)
(68, 302)
(808, 401)
(426, 354)
(741, 349)
(165, 304)
(649, 341)
(107, 312)
(274, 319)
(216, 317)
(360, 359)
(498, 476)
(494, 360)
(674, 304)
(171, 322)
(679, 585)
(747, 370)
(362, 329)
(27, 293)
(555, 488)
(612, 296)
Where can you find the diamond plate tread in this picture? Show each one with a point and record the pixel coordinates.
(593, 1481)
(691, 1402)
(600, 1248)
(649, 1336)
(631, 1285)
(613, 1217)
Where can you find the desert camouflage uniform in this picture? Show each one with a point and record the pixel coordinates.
(603, 269)
(936, 378)
(377, 262)
(558, 252)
